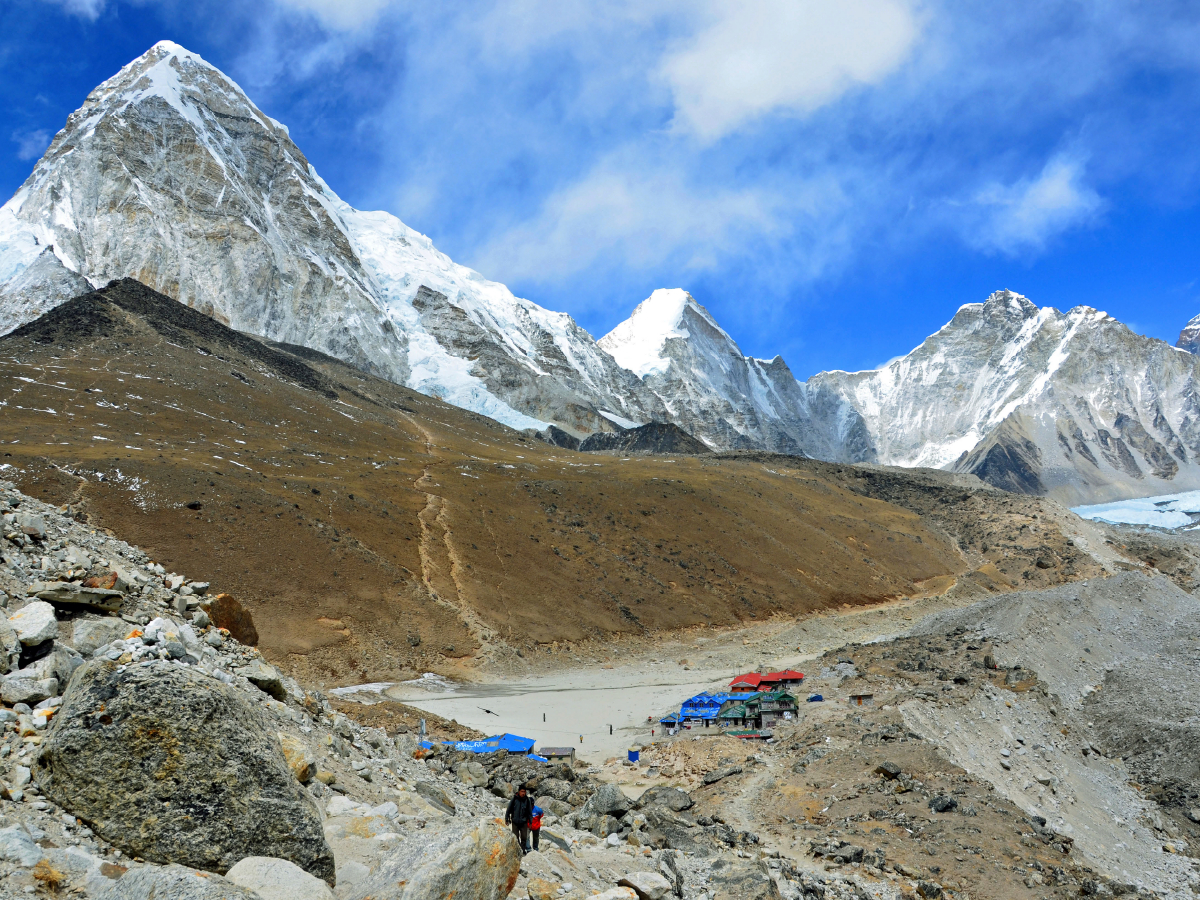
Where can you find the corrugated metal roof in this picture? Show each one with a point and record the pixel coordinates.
(706, 706)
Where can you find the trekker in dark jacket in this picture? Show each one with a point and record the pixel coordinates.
(519, 815)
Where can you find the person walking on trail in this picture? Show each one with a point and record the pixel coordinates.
(519, 815)
(535, 825)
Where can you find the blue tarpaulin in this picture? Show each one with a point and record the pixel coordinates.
(815, 698)
(705, 706)
(511, 742)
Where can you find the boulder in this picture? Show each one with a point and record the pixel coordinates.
(617, 893)
(226, 612)
(438, 798)
(941, 803)
(10, 647)
(723, 772)
(608, 800)
(647, 885)
(672, 798)
(34, 623)
(18, 688)
(264, 677)
(31, 525)
(471, 773)
(67, 594)
(479, 859)
(17, 846)
(278, 879)
(170, 765)
(174, 882)
(300, 759)
(90, 634)
(60, 663)
(541, 889)
(743, 881)
(556, 788)
(557, 838)
(558, 808)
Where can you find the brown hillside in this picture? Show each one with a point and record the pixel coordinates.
(375, 531)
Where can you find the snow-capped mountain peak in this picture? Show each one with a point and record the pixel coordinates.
(637, 343)
(170, 174)
(1189, 338)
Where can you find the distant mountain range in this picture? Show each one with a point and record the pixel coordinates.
(170, 174)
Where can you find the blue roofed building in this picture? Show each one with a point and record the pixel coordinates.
(703, 709)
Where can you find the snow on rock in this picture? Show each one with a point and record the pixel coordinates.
(1189, 338)
(169, 174)
(1074, 405)
(708, 386)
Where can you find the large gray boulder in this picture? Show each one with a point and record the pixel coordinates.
(743, 881)
(672, 798)
(34, 623)
(10, 647)
(479, 859)
(173, 883)
(90, 634)
(608, 800)
(170, 765)
(278, 879)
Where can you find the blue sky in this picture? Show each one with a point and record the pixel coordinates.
(832, 180)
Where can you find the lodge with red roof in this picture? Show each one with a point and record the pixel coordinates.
(755, 681)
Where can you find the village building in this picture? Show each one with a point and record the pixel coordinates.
(762, 709)
(703, 709)
(557, 754)
(862, 700)
(770, 681)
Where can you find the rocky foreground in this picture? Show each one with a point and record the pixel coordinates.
(149, 753)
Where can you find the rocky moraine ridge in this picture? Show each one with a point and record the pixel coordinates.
(146, 752)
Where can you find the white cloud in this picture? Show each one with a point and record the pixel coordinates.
(85, 9)
(1028, 213)
(633, 214)
(31, 144)
(345, 15)
(755, 57)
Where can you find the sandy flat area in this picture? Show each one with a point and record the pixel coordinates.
(583, 697)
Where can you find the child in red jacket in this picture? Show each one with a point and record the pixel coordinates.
(535, 825)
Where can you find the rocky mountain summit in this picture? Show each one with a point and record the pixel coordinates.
(713, 391)
(1074, 405)
(169, 174)
(1189, 338)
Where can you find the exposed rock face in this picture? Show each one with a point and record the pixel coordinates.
(744, 881)
(655, 437)
(710, 389)
(1073, 404)
(277, 879)
(479, 859)
(176, 767)
(176, 882)
(1189, 338)
(169, 174)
